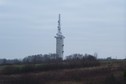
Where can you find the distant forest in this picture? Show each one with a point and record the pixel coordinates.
(48, 58)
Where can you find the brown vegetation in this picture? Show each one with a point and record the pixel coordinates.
(106, 73)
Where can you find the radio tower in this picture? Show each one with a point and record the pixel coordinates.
(59, 41)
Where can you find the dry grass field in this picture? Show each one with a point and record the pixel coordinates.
(107, 73)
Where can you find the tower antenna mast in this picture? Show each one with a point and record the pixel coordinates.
(59, 25)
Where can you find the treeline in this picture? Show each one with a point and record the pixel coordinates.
(37, 63)
(48, 58)
(33, 59)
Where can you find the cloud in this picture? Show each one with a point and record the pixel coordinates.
(2, 2)
(89, 25)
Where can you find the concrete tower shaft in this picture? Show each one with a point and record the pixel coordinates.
(59, 40)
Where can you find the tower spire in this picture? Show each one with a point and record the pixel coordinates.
(59, 25)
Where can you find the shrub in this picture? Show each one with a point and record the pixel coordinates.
(110, 79)
(11, 70)
(124, 74)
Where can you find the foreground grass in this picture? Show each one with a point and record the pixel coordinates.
(106, 73)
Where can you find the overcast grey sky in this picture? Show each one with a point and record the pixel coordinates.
(28, 27)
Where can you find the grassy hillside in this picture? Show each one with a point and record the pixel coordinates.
(108, 72)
